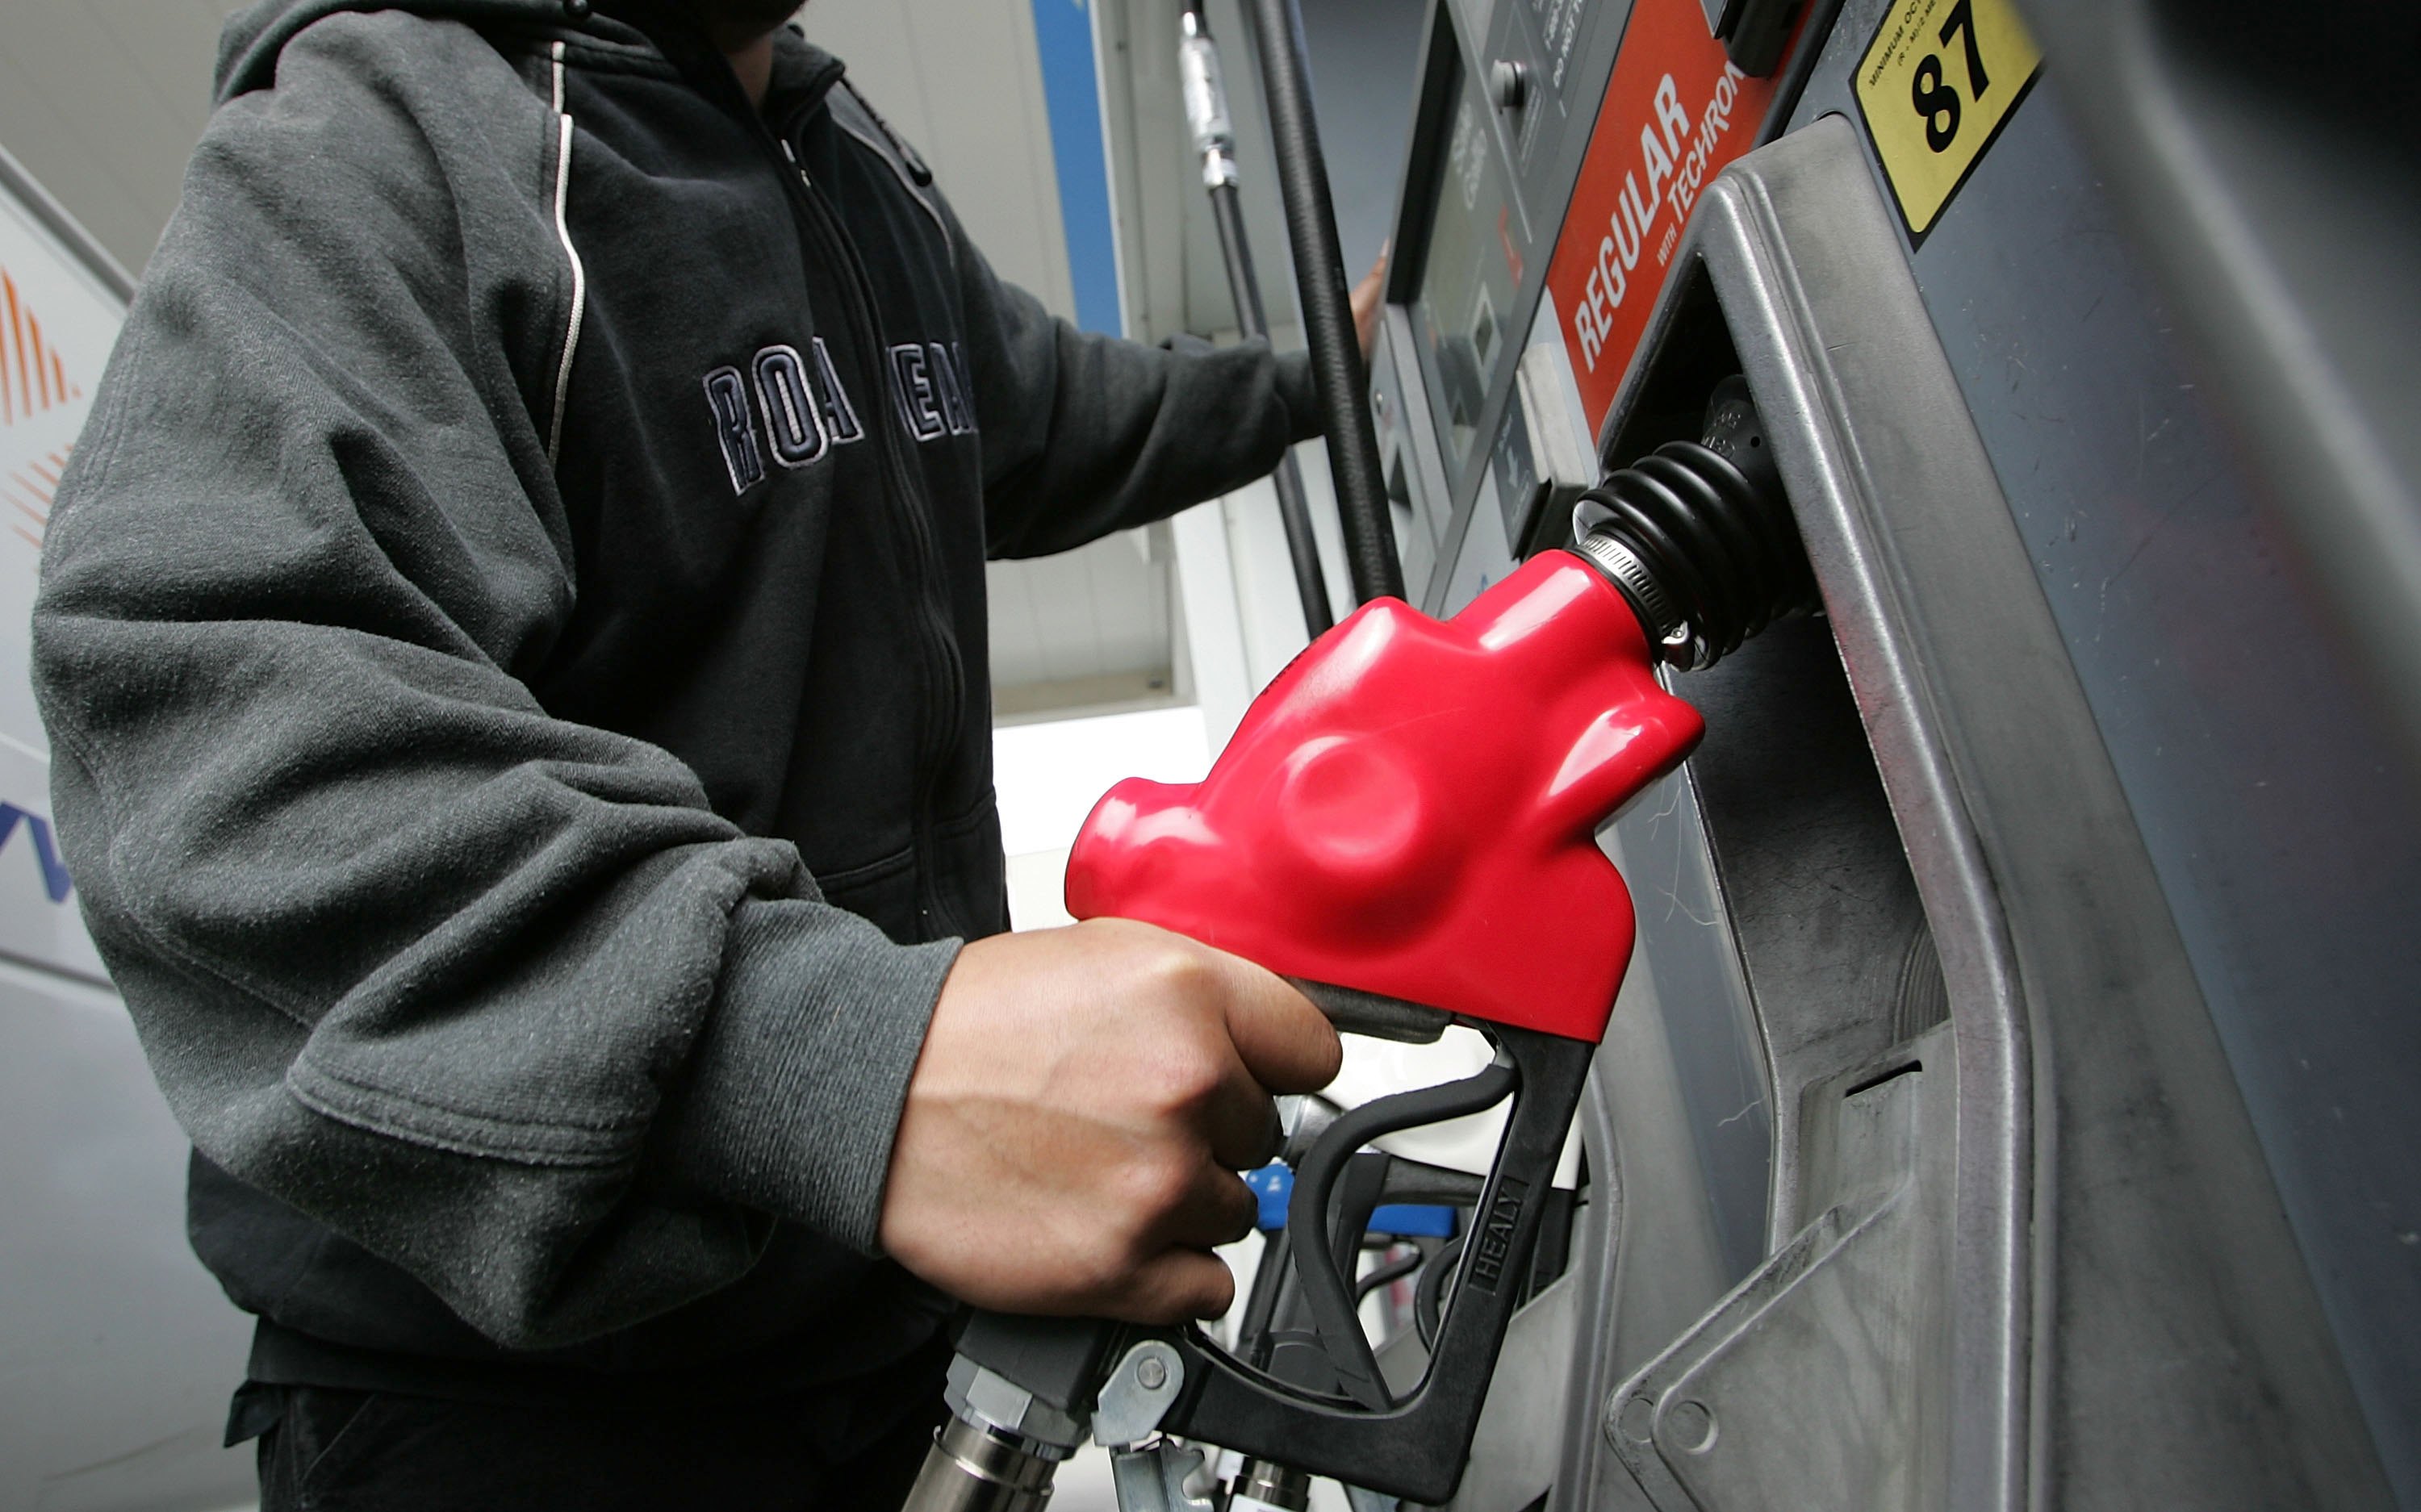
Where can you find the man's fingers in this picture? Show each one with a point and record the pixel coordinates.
(1288, 1045)
(1365, 299)
(1246, 1133)
(1241, 1120)
(1176, 1286)
(1061, 1146)
(1219, 1209)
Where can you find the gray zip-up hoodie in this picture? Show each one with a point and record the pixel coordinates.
(513, 638)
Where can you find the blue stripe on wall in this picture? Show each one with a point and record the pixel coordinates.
(1063, 35)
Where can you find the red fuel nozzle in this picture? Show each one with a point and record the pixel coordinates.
(1410, 809)
(1409, 814)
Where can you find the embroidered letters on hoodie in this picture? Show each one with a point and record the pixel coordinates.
(931, 385)
(792, 408)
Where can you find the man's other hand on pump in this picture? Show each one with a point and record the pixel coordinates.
(1075, 1121)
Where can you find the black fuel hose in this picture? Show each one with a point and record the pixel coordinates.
(1294, 514)
(1336, 365)
(1206, 112)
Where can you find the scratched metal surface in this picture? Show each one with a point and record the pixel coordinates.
(2285, 829)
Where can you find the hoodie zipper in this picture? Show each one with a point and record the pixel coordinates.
(945, 673)
(941, 675)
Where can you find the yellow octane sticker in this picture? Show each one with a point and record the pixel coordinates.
(1936, 84)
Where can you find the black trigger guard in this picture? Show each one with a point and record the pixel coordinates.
(1322, 1269)
(1413, 1447)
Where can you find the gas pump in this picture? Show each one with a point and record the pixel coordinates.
(1937, 1148)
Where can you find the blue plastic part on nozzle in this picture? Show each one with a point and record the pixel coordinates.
(1405, 1220)
(1274, 1186)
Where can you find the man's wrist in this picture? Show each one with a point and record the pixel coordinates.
(791, 1099)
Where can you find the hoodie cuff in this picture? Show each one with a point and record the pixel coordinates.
(1302, 397)
(795, 1086)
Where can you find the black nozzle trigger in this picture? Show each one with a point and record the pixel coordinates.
(1326, 1289)
(1415, 1445)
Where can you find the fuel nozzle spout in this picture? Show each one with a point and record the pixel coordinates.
(1697, 535)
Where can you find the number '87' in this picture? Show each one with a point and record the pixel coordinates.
(1935, 98)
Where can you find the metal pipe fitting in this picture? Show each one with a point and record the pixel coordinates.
(975, 1468)
(1266, 1486)
(1206, 100)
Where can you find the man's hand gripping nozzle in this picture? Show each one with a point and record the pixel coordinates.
(1404, 825)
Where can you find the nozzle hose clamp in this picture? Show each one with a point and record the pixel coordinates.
(1630, 575)
(1700, 536)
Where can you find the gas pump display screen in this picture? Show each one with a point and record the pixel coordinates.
(1470, 274)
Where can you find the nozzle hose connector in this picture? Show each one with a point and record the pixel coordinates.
(974, 1467)
(1265, 1486)
(1697, 535)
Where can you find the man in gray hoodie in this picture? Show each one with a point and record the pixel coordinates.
(513, 639)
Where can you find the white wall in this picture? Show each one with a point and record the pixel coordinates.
(1050, 775)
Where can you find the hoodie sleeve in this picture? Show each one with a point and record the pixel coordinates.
(1084, 434)
(494, 994)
